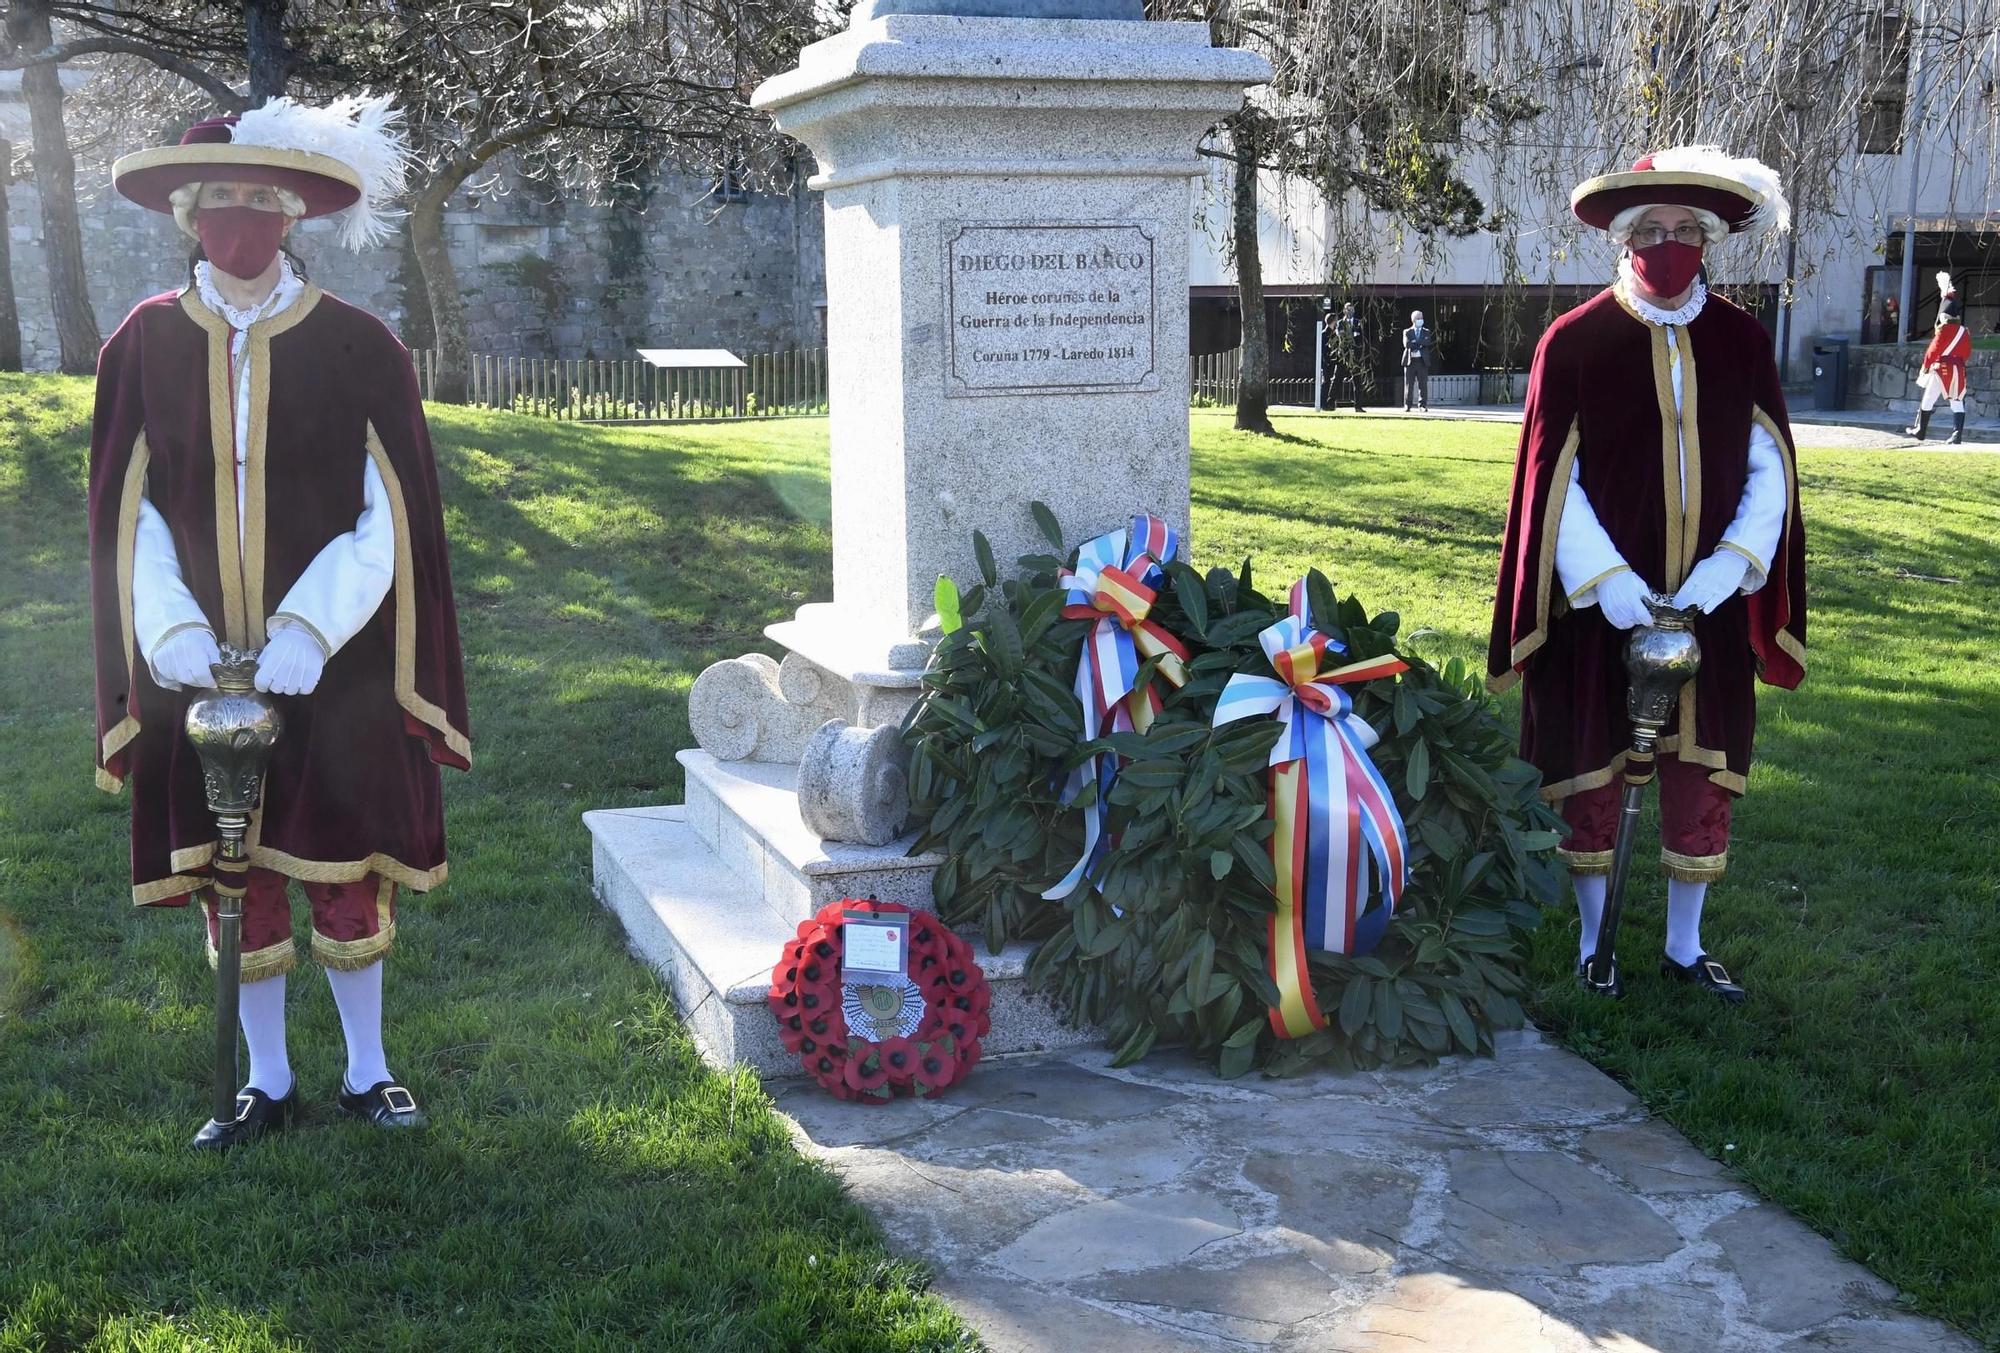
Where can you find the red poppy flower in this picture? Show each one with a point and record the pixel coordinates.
(935, 1070)
(899, 1057)
(865, 1073)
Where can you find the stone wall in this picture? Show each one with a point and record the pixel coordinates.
(672, 266)
(1884, 376)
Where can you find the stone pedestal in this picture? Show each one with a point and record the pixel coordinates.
(1008, 202)
(1007, 215)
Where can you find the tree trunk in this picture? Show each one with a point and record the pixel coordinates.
(441, 286)
(270, 54)
(10, 316)
(55, 177)
(1253, 386)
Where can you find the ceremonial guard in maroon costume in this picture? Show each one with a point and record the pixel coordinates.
(1655, 460)
(1942, 372)
(261, 475)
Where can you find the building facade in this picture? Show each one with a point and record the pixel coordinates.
(681, 261)
(1923, 144)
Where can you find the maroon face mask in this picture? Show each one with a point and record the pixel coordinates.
(1668, 268)
(241, 241)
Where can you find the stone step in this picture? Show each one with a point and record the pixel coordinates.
(713, 939)
(747, 812)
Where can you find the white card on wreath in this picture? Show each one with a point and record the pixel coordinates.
(874, 948)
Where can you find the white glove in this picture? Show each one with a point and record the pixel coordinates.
(1622, 598)
(1714, 580)
(290, 663)
(183, 658)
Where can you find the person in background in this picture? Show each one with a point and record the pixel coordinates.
(1346, 356)
(1418, 340)
(1942, 372)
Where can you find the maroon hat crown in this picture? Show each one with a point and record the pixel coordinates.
(210, 131)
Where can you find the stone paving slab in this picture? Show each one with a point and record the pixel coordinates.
(1521, 1204)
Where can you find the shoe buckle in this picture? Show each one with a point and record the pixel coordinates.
(398, 1099)
(244, 1105)
(1717, 973)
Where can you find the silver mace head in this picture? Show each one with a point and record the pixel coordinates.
(1660, 659)
(233, 729)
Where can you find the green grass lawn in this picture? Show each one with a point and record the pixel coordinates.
(587, 1183)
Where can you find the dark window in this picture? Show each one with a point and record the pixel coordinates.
(1885, 82)
(727, 185)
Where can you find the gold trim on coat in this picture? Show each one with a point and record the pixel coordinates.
(1591, 586)
(121, 734)
(222, 450)
(1670, 455)
(1545, 566)
(1792, 646)
(159, 890)
(294, 619)
(1604, 775)
(1690, 454)
(406, 609)
(1756, 563)
(347, 871)
(256, 461)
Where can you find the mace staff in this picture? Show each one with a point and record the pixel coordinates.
(233, 729)
(1660, 659)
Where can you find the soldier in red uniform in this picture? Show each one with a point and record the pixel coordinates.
(260, 473)
(1942, 372)
(1655, 459)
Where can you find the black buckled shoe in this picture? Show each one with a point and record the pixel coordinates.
(385, 1104)
(1706, 972)
(1614, 987)
(256, 1114)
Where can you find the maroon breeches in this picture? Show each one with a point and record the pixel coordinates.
(1694, 823)
(354, 924)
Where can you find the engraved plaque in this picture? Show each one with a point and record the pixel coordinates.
(1049, 308)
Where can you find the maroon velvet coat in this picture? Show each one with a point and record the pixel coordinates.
(1601, 395)
(353, 785)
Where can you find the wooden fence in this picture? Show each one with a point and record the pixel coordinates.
(768, 385)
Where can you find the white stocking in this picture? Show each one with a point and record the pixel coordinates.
(261, 1011)
(1684, 920)
(358, 994)
(1589, 908)
(1958, 405)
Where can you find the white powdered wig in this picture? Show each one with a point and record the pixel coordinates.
(1773, 211)
(1626, 221)
(362, 132)
(187, 197)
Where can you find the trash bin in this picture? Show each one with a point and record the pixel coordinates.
(1830, 373)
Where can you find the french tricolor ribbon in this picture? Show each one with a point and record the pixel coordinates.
(1337, 832)
(1117, 577)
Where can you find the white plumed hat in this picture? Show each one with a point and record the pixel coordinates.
(348, 157)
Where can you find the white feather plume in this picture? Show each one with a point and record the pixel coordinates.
(363, 132)
(1945, 287)
(1773, 211)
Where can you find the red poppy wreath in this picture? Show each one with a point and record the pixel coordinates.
(872, 1042)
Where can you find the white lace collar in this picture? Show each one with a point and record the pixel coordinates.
(288, 289)
(1652, 314)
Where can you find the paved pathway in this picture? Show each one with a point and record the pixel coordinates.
(1525, 1204)
(1846, 429)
